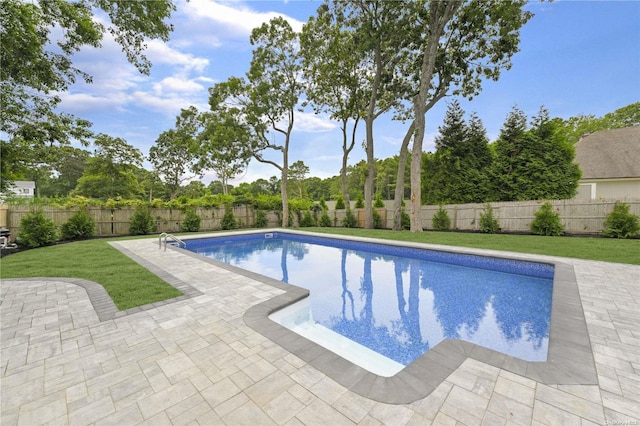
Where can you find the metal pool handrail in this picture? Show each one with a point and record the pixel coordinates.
(171, 237)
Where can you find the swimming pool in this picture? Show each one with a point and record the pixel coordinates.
(398, 301)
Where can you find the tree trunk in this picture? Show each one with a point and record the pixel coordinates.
(347, 147)
(370, 178)
(416, 166)
(402, 165)
(283, 188)
(440, 14)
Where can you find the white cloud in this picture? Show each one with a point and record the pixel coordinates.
(169, 106)
(177, 85)
(312, 123)
(80, 102)
(237, 20)
(160, 53)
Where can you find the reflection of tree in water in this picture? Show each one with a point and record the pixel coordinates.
(458, 298)
(362, 329)
(461, 298)
(239, 251)
(531, 305)
(236, 252)
(294, 248)
(410, 318)
(346, 293)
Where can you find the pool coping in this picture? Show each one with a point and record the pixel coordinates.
(569, 361)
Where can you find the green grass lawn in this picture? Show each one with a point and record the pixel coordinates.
(605, 249)
(130, 285)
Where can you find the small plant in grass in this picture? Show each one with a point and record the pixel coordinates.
(37, 230)
(142, 223)
(191, 222)
(261, 219)
(325, 220)
(307, 220)
(79, 226)
(377, 220)
(547, 221)
(228, 220)
(488, 223)
(405, 220)
(441, 221)
(340, 203)
(350, 220)
(621, 223)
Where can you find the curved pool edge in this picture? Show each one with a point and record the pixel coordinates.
(569, 361)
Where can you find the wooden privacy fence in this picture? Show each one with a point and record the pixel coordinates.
(116, 222)
(578, 217)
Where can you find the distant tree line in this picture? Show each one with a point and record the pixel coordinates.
(527, 161)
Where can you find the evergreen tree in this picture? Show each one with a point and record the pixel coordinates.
(457, 171)
(533, 164)
(507, 149)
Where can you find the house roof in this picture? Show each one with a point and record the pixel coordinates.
(609, 154)
(24, 184)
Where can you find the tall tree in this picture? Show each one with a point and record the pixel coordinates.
(174, 154)
(458, 44)
(534, 164)
(336, 80)
(508, 148)
(267, 102)
(35, 61)
(457, 171)
(375, 36)
(68, 169)
(110, 172)
(298, 172)
(221, 147)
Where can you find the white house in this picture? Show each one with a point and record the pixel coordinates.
(24, 188)
(610, 163)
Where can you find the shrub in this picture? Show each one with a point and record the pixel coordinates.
(378, 204)
(359, 203)
(37, 230)
(325, 220)
(547, 221)
(340, 203)
(142, 222)
(261, 219)
(323, 204)
(80, 225)
(441, 221)
(621, 223)
(299, 205)
(307, 220)
(377, 220)
(191, 222)
(350, 220)
(405, 220)
(268, 202)
(228, 220)
(488, 223)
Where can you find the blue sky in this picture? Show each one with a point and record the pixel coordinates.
(577, 57)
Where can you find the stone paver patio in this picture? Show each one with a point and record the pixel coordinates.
(194, 361)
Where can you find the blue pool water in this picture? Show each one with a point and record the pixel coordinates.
(400, 301)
